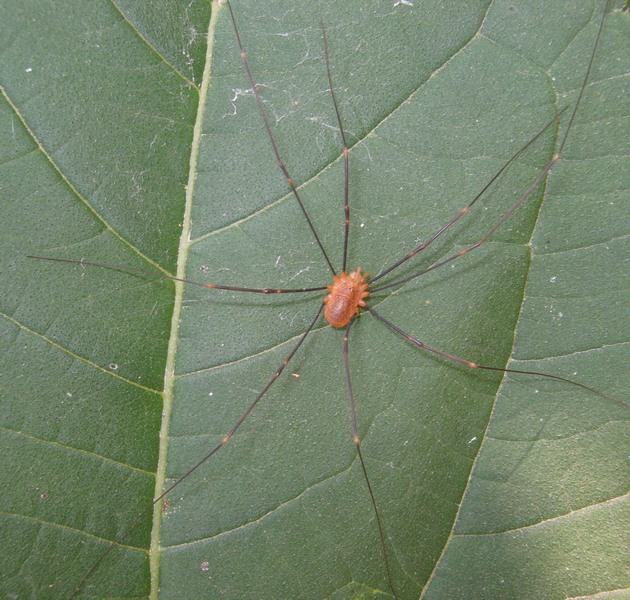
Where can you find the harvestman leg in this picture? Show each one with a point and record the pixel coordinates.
(357, 444)
(263, 114)
(203, 460)
(462, 212)
(517, 204)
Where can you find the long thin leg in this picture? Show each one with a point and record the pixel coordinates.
(586, 76)
(346, 166)
(263, 114)
(463, 211)
(357, 445)
(207, 457)
(479, 242)
(472, 365)
(155, 274)
(517, 204)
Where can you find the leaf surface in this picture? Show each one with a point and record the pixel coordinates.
(126, 125)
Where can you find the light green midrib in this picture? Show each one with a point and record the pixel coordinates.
(169, 373)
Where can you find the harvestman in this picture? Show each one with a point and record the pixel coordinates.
(350, 292)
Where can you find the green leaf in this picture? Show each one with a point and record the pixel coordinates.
(130, 136)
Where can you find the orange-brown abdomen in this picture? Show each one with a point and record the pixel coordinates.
(347, 293)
